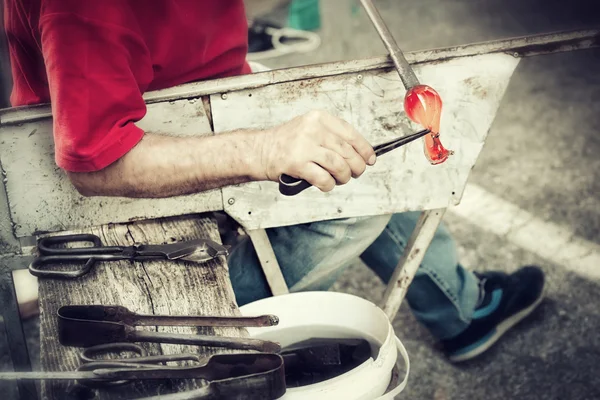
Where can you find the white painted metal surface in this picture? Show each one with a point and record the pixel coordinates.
(402, 180)
(41, 198)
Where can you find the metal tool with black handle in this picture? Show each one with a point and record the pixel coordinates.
(99, 312)
(197, 250)
(243, 376)
(290, 186)
(85, 326)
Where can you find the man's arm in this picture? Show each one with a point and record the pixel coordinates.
(317, 146)
(164, 166)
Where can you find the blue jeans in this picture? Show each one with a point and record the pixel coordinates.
(442, 296)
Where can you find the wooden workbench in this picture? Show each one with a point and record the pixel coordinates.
(176, 288)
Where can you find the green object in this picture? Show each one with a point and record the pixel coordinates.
(304, 15)
(355, 7)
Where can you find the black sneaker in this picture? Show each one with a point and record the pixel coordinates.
(506, 300)
(269, 40)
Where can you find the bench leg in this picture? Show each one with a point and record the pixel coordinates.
(411, 260)
(268, 261)
(9, 309)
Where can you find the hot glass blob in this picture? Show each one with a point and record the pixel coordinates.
(423, 105)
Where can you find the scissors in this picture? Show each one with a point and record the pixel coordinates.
(244, 376)
(290, 186)
(198, 250)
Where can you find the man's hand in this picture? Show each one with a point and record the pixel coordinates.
(317, 147)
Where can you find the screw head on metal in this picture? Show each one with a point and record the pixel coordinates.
(224, 96)
(231, 201)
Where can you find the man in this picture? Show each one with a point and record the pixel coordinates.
(94, 59)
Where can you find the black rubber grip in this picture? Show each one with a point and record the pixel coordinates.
(290, 186)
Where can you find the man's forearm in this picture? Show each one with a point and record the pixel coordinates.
(164, 166)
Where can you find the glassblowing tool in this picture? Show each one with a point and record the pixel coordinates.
(123, 315)
(243, 376)
(90, 326)
(198, 250)
(290, 186)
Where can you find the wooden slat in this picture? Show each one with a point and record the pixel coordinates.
(371, 101)
(410, 261)
(268, 262)
(176, 288)
(42, 199)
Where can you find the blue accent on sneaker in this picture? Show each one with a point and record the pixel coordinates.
(475, 345)
(491, 307)
(507, 300)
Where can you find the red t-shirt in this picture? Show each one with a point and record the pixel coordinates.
(93, 60)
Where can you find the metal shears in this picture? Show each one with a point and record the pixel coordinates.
(245, 376)
(198, 250)
(290, 186)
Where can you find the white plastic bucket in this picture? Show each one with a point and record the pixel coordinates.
(306, 315)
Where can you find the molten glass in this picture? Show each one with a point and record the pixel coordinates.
(424, 106)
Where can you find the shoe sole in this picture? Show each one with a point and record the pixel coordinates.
(500, 330)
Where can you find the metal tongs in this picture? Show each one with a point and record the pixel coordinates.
(290, 186)
(198, 250)
(244, 376)
(85, 326)
(124, 315)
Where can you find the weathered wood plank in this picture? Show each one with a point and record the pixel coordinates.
(42, 199)
(401, 180)
(176, 288)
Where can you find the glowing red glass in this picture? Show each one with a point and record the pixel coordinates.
(423, 105)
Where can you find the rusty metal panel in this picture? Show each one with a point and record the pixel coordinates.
(402, 180)
(41, 198)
